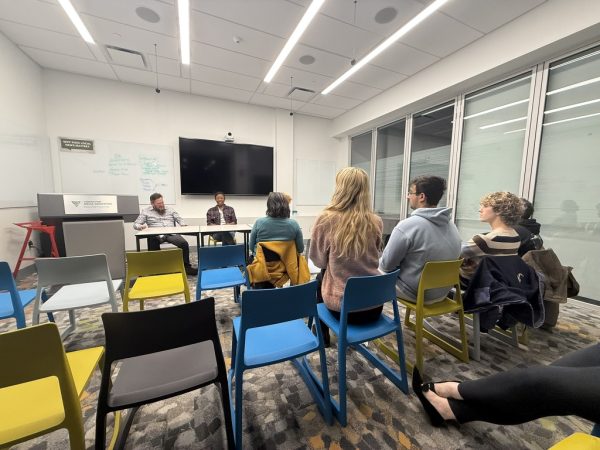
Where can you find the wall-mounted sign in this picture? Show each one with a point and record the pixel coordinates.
(76, 145)
(90, 204)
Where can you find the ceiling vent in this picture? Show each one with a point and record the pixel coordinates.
(300, 93)
(125, 57)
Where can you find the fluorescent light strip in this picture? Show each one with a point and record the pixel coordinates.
(573, 86)
(385, 44)
(514, 131)
(183, 9)
(518, 119)
(309, 15)
(574, 105)
(571, 61)
(497, 108)
(571, 119)
(83, 31)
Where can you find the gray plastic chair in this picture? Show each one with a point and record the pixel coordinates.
(87, 283)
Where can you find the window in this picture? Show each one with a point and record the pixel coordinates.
(360, 151)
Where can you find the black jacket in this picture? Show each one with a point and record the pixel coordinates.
(505, 290)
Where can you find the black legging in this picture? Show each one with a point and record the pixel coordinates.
(568, 386)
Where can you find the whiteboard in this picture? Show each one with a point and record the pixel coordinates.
(27, 170)
(315, 182)
(124, 168)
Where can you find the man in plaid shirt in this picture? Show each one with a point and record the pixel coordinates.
(159, 215)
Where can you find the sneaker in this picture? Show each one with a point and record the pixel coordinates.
(191, 270)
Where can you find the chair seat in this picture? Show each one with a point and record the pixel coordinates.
(82, 364)
(578, 441)
(358, 333)
(157, 286)
(435, 309)
(221, 278)
(147, 377)
(6, 307)
(274, 343)
(79, 296)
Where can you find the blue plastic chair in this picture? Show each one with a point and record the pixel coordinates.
(365, 293)
(13, 301)
(221, 267)
(270, 330)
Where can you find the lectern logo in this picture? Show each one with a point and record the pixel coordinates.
(75, 203)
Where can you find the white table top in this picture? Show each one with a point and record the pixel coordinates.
(218, 228)
(154, 231)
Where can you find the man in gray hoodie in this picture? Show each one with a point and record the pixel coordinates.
(427, 235)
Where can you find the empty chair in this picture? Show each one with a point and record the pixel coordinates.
(221, 267)
(364, 293)
(161, 353)
(13, 301)
(88, 284)
(270, 330)
(40, 385)
(436, 274)
(157, 273)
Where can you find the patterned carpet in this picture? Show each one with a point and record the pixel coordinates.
(279, 412)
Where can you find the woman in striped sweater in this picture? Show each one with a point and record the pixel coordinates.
(501, 210)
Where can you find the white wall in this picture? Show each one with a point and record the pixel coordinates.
(21, 114)
(85, 107)
(551, 29)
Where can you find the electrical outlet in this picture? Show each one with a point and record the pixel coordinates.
(30, 244)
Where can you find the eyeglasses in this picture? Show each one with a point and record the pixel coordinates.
(412, 193)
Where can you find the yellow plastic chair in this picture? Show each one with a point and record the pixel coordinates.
(578, 441)
(436, 274)
(159, 273)
(40, 385)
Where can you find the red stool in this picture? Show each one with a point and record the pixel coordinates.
(35, 226)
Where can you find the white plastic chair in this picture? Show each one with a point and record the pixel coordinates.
(87, 283)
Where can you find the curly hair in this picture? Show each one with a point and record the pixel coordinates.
(508, 206)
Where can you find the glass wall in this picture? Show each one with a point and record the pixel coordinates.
(567, 192)
(430, 143)
(495, 121)
(360, 151)
(388, 173)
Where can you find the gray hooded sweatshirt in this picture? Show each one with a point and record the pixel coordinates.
(427, 235)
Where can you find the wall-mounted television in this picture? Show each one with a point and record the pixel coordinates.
(236, 169)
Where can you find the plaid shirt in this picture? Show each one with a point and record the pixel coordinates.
(214, 218)
(152, 218)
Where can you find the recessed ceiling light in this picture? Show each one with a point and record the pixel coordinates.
(183, 9)
(307, 60)
(386, 15)
(147, 14)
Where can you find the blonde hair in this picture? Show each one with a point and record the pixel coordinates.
(287, 196)
(351, 205)
(508, 206)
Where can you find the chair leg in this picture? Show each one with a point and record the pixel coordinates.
(407, 318)
(342, 416)
(463, 337)
(419, 342)
(20, 318)
(76, 437)
(227, 411)
(100, 430)
(237, 422)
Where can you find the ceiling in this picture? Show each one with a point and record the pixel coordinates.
(234, 43)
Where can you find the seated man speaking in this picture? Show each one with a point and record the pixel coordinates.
(427, 235)
(221, 214)
(158, 215)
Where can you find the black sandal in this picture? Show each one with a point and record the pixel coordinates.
(417, 384)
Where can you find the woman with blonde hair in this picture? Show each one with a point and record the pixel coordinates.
(345, 241)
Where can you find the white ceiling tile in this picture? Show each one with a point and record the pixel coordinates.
(322, 111)
(166, 66)
(487, 15)
(275, 102)
(125, 12)
(275, 17)
(327, 64)
(224, 77)
(355, 90)
(220, 33)
(302, 78)
(46, 40)
(48, 16)
(136, 76)
(70, 63)
(213, 90)
(377, 77)
(404, 59)
(227, 60)
(336, 101)
(277, 89)
(174, 83)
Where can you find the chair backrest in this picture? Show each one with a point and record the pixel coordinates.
(7, 283)
(34, 353)
(221, 256)
(108, 238)
(142, 332)
(262, 307)
(156, 262)
(439, 274)
(369, 291)
(72, 270)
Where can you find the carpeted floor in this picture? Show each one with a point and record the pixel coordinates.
(279, 412)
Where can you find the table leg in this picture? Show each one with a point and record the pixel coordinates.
(246, 246)
(137, 243)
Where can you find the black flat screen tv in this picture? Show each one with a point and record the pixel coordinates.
(236, 169)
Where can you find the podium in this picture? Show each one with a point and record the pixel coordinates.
(55, 209)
